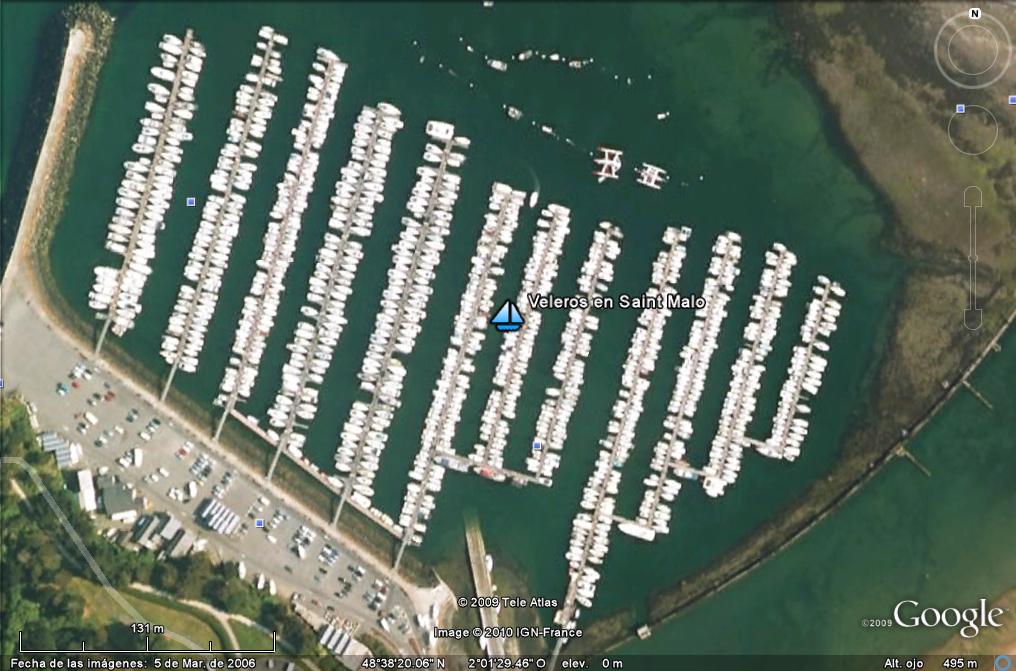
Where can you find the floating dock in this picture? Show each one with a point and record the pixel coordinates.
(654, 511)
(184, 337)
(570, 365)
(592, 525)
(804, 376)
(417, 255)
(357, 193)
(517, 348)
(261, 304)
(468, 333)
(746, 373)
(146, 191)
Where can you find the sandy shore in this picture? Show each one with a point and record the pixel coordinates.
(990, 641)
(79, 41)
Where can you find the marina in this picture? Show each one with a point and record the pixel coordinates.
(517, 348)
(416, 256)
(147, 187)
(262, 301)
(184, 337)
(458, 364)
(591, 527)
(558, 182)
(569, 367)
(660, 488)
(357, 193)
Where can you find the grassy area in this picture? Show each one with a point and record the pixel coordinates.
(249, 637)
(102, 609)
(376, 645)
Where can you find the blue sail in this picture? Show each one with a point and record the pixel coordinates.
(508, 318)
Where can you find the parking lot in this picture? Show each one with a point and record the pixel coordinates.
(171, 470)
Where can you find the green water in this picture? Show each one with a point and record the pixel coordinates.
(23, 28)
(944, 540)
(740, 119)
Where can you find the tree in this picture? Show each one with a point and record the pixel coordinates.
(144, 564)
(18, 612)
(166, 577)
(195, 572)
(40, 635)
(234, 595)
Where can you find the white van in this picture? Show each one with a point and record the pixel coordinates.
(91, 419)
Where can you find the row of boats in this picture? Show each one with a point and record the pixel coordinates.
(417, 254)
(468, 333)
(591, 527)
(569, 367)
(261, 304)
(746, 373)
(146, 190)
(358, 192)
(804, 376)
(232, 177)
(517, 348)
(660, 486)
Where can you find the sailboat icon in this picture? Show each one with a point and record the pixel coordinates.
(508, 318)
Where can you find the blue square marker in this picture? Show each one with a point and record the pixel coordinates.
(259, 523)
(537, 446)
(961, 109)
(191, 201)
(1012, 100)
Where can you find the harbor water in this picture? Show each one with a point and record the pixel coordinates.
(703, 90)
(944, 541)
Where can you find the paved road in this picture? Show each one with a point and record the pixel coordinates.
(35, 359)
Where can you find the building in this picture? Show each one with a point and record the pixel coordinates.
(118, 503)
(140, 527)
(66, 454)
(86, 491)
(217, 517)
(340, 643)
(170, 529)
(150, 536)
(182, 544)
